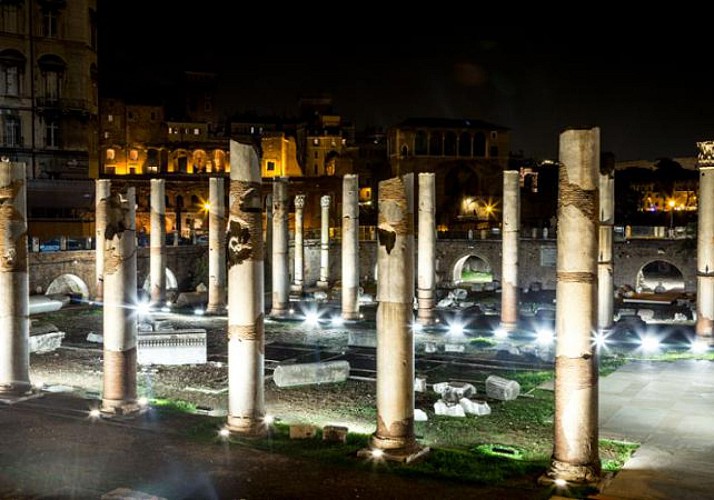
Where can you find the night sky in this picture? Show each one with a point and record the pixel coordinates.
(652, 95)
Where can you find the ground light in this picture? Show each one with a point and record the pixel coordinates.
(649, 343)
(560, 483)
(224, 433)
(143, 308)
(268, 420)
(94, 413)
(500, 333)
(143, 402)
(376, 453)
(337, 321)
(545, 336)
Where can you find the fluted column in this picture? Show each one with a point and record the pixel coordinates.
(14, 283)
(605, 269)
(324, 242)
(216, 246)
(575, 455)
(299, 274)
(426, 251)
(705, 241)
(350, 247)
(246, 340)
(509, 259)
(158, 243)
(119, 395)
(102, 191)
(280, 275)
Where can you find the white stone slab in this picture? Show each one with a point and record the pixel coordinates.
(174, 347)
(311, 373)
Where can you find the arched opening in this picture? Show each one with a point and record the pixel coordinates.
(659, 276)
(171, 282)
(472, 269)
(69, 285)
(421, 143)
(480, 145)
(465, 144)
(436, 144)
(450, 143)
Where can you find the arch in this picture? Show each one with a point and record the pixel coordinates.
(199, 159)
(421, 144)
(436, 144)
(68, 284)
(659, 276)
(450, 143)
(219, 160)
(171, 282)
(405, 151)
(480, 144)
(472, 268)
(51, 62)
(465, 144)
(12, 57)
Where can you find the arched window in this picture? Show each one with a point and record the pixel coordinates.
(465, 144)
(436, 144)
(12, 64)
(480, 144)
(420, 143)
(52, 68)
(450, 144)
(405, 151)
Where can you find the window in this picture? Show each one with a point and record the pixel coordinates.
(49, 23)
(450, 144)
(106, 135)
(207, 102)
(480, 144)
(436, 144)
(465, 144)
(12, 131)
(111, 155)
(271, 166)
(405, 151)
(316, 142)
(9, 18)
(52, 134)
(110, 118)
(52, 85)
(11, 81)
(134, 155)
(130, 115)
(420, 143)
(317, 155)
(196, 131)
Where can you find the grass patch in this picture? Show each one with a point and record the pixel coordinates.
(482, 342)
(530, 380)
(614, 454)
(177, 405)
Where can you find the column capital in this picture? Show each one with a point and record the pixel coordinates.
(325, 201)
(706, 154)
(300, 201)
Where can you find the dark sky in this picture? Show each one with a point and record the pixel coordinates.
(651, 93)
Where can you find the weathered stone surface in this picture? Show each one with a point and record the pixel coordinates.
(302, 431)
(334, 433)
(311, 373)
(475, 407)
(453, 391)
(420, 415)
(174, 347)
(128, 494)
(454, 348)
(441, 408)
(362, 338)
(46, 342)
(501, 388)
(419, 384)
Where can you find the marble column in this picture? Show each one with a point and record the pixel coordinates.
(705, 241)
(119, 394)
(323, 282)
(216, 246)
(509, 259)
(102, 189)
(157, 242)
(575, 456)
(605, 269)
(426, 250)
(350, 247)
(299, 281)
(14, 283)
(395, 340)
(280, 265)
(246, 337)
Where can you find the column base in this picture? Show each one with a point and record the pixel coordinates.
(426, 318)
(297, 288)
(408, 454)
(704, 327)
(247, 427)
(120, 408)
(508, 326)
(351, 316)
(323, 284)
(11, 398)
(279, 313)
(582, 475)
(217, 310)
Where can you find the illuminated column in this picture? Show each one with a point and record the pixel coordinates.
(705, 241)
(245, 294)
(575, 454)
(299, 281)
(426, 276)
(350, 247)
(119, 396)
(395, 340)
(14, 283)
(157, 261)
(509, 259)
(102, 191)
(324, 242)
(280, 265)
(606, 289)
(216, 246)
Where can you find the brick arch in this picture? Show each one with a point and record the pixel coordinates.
(68, 284)
(171, 282)
(457, 267)
(643, 282)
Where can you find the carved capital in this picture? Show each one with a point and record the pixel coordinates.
(325, 201)
(706, 154)
(300, 201)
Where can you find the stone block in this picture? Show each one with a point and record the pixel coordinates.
(420, 384)
(441, 408)
(362, 338)
(452, 392)
(454, 348)
(430, 347)
(334, 433)
(129, 494)
(420, 415)
(311, 373)
(478, 407)
(45, 342)
(501, 388)
(174, 347)
(95, 337)
(302, 431)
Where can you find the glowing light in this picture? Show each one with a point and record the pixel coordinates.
(143, 402)
(600, 340)
(337, 321)
(500, 333)
(545, 336)
(699, 346)
(207, 206)
(377, 453)
(291, 311)
(417, 327)
(39, 385)
(312, 318)
(650, 343)
(268, 419)
(456, 329)
(166, 309)
(95, 413)
(198, 312)
(143, 308)
(561, 483)
(224, 433)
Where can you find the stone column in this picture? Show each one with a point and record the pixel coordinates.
(705, 241)
(324, 242)
(575, 456)
(509, 259)
(395, 340)
(245, 294)
(426, 274)
(606, 288)
(216, 246)
(102, 191)
(157, 242)
(299, 281)
(119, 395)
(280, 275)
(350, 247)
(14, 283)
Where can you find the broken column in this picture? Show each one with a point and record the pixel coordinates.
(395, 340)
(14, 283)
(102, 191)
(705, 241)
(280, 275)
(299, 274)
(157, 264)
(509, 259)
(426, 275)
(575, 454)
(605, 279)
(120, 298)
(216, 246)
(245, 294)
(350, 247)
(323, 282)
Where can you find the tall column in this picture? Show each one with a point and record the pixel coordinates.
(119, 395)
(216, 246)
(575, 454)
(280, 275)
(395, 340)
(14, 283)
(605, 279)
(324, 242)
(509, 259)
(245, 294)
(299, 275)
(102, 191)
(350, 247)
(426, 274)
(157, 241)
(705, 241)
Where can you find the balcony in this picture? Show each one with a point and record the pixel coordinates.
(62, 105)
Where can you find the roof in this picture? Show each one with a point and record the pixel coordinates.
(450, 123)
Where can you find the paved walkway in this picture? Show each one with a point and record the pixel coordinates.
(669, 408)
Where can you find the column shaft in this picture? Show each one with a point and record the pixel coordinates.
(705, 241)
(509, 264)
(426, 274)
(216, 246)
(350, 247)
(605, 269)
(299, 281)
(324, 242)
(102, 191)
(158, 243)
(280, 264)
